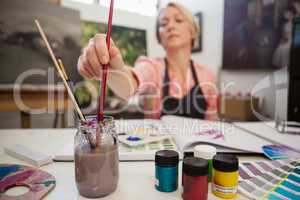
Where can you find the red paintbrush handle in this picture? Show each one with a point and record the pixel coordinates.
(105, 67)
(102, 93)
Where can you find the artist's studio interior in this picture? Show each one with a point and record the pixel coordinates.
(150, 99)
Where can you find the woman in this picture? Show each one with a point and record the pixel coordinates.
(177, 85)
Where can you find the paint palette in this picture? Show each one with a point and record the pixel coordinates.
(280, 183)
(40, 183)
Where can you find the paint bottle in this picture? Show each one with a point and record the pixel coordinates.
(225, 176)
(195, 178)
(206, 152)
(166, 170)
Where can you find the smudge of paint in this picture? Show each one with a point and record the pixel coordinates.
(214, 134)
(133, 138)
(18, 177)
(4, 171)
(48, 183)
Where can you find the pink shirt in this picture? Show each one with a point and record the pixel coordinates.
(149, 73)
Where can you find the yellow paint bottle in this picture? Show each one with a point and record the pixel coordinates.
(225, 176)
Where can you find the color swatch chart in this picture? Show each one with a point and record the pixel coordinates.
(274, 180)
(166, 144)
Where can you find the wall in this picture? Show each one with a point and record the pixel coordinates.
(211, 55)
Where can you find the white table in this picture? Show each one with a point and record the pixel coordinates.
(136, 178)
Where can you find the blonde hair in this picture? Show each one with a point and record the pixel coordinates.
(189, 16)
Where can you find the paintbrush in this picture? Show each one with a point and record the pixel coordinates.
(69, 81)
(71, 85)
(101, 101)
(70, 93)
(63, 76)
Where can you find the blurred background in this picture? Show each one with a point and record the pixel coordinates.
(238, 41)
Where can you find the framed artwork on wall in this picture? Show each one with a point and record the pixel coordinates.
(131, 42)
(257, 33)
(21, 46)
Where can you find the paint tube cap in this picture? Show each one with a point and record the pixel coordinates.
(193, 166)
(225, 163)
(205, 151)
(166, 158)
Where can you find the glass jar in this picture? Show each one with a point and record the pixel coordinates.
(96, 158)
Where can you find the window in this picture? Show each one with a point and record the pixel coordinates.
(143, 7)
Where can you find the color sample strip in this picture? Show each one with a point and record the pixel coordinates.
(257, 182)
(265, 166)
(295, 163)
(267, 177)
(276, 163)
(279, 173)
(276, 151)
(286, 193)
(297, 171)
(253, 169)
(291, 186)
(243, 174)
(286, 168)
(294, 178)
(246, 186)
(273, 196)
(273, 153)
(250, 190)
(259, 193)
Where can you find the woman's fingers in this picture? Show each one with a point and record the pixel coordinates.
(82, 69)
(92, 59)
(101, 48)
(116, 60)
(96, 54)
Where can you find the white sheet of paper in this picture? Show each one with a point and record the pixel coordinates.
(268, 132)
(188, 132)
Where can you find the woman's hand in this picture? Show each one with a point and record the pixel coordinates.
(96, 54)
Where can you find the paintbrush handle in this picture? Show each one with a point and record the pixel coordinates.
(105, 67)
(59, 70)
(72, 87)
